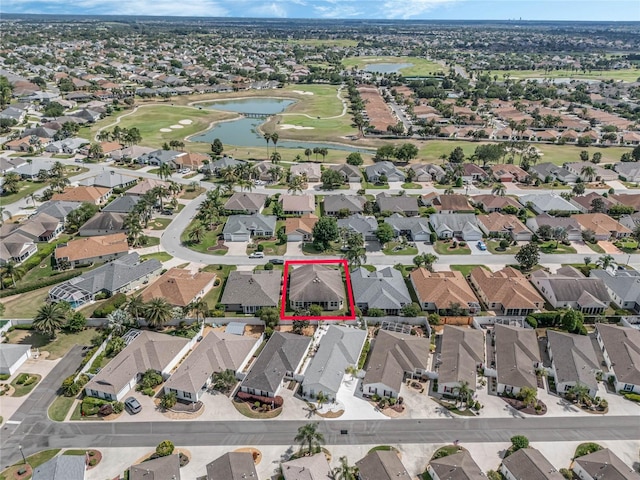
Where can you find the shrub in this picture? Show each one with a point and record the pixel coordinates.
(634, 397)
(532, 321)
(247, 397)
(586, 448)
(21, 326)
(118, 407)
(260, 247)
(23, 377)
(434, 319)
(363, 354)
(4, 376)
(110, 305)
(165, 448)
(463, 244)
(91, 406)
(168, 400)
(375, 312)
(30, 381)
(148, 392)
(93, 462)
(519, 441)
(151, 379)
(106, 409)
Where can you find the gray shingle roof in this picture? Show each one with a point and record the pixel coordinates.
(260, 289)
(10, 354)
(353, 203)
(459, 466)
(245, 201)
(530, 464)
(568, 287)
(623, 347)
(545, 202)
(605, 465)
(416, 225)
(63, 467)
(397, 204)
(573, 358)
(360, 224)
(162, 468)
(382, 465)
(237, 224)
(385, 289)
(455, 222)
(316, 284)
(58, 208)
(516, 352)
(110, 221)
(232, 466)
(110, 179)
(123, 204)
(462, 350)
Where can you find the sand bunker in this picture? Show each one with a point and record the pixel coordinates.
(286, 126)
(302, 92)
(176, 126)
(165, 130)
(186, 121)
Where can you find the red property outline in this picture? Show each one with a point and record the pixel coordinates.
(283, 300)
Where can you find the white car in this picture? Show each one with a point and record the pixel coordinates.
(256, 255)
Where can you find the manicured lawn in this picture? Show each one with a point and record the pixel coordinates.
(22, 390)
(411, 185)
(420, 66)
(310, 249)
(550, 247)
(494, 247)
(466, 269)
(152, 241)
(210, 239)
(627, 245)
(59, 408)
(222, 271)
(161, 256)
(271, 247)
(595, 247)
(443, 248)
(25, 305)
(159, 223)
(628, 74)
(26, 189)
(446, 451)
(368, 186)
(57, 347)
(398, 248)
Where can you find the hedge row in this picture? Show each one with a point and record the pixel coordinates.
(277, 400)
(45, 282)
(110, 305)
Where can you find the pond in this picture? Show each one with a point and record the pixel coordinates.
(244, 131)
(386, 67)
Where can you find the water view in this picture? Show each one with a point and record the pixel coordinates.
(386, 67)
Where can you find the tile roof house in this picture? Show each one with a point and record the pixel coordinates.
(248, 292)
(94, 195)
(528, 463)
(298, 204)
(92, 249)
(393, 357)
(570, 225)
(415, 229)
(407, 206)
(459, 225)
(629, 199)
(41, 227)
(547, 202)
(159, 468)
(314, 284)
(336, 204)
(349, 173)
(471, 173)
(603, 465)
(232, 466)
(339, 348)
(241, 228)
(388, 169)
(121, 275)
(506, 291)
(145, 185)
(62, 467)
(573, 361)
(180, 287)
(280, 359)
(12, 356)
(623, 286)
(453, 204)
(506, 172)
(585, 202)
(604, 227)
(383, 289)
(517, 355)
(461, 354)
(245, 202)
(192, 160)
(310, 170)
(146, 351)
(569, 288)
(381, 465)
(438, 291)
(217, 165)
(621, 350)
(103, 223)
(300, 229)
(216, 352)
(458, 466)
(365, 225)
(314, 467)
(16, 247)
(497, 224)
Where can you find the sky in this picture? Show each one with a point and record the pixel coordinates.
(572, 10)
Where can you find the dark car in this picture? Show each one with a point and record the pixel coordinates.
(132, 405)
(276, 261)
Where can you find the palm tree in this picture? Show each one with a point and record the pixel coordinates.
(463, 392)
(605, 261)
(224, 380)
(344, 471)
(50, 317)
(197, 233)
(351, 370)
(200, 308)
(324, 152)
(267, 138)
(133, 225)
(135, 306)
(164, 171)
(588, 172)
(274, 140)
(356, 253)
(581, 392)
(95, 151)
(308, 435)
(308, 152)
(157, 312)
(11, 182)
(276, 157)
(12, 271)
(316, 151)
(499, 189)
(321, 398)
(57, 170)
(275, 173)
(296, 184)
(529, 396)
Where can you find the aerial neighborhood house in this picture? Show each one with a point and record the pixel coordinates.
(68, 146)
(603, 464)
(458, 225)
(109, 147)
(298, 204)
(62, 467)
(160, 157)
(241, 228)
(130, 153)
(426, 172)
(407, 206)
(12, 357)
(280, 360)
(383, 289)
(180, 287)
(145, 185)
(394, 357)
(232, 466)
(453, 204)
(310, 171)
(548, 172)
(461, 355)
(41, 228)
(381, 465)
(442, 291)
(586, 204)
(630, 221)
(15, 247)
(245, 202)
(349, 173)
(216, 352)
(110, 180)
(506, 291)
(378, 171)
(86, 251)
(415, 229)
(623, 286)
(32, 168)
(220, 164)
(629, 199)
(500, 225)
(339, 348)
(573, 361)
(599, 173)
(458, 466)
(314, 467)
(121, 204)
(103, 223)
(90, 194)
(472, 173)
(507, 173)
(517, 356)
(9, 164)
(547, 202)
(569, 288)
(335, 205)
(119, 276)
(314, 284)
(192, 160)
(248, 292)
(569, 224)
(364, 225)
(58, 208)
(145, 350)
(629, 171)
(300, 229)
(621, 350)
(604, 227)
(161, 467)
(528, 463)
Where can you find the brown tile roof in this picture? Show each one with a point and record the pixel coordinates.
(298, 203)
(92, 247)
(600, 223)
(108, 147)
(490, 202)
(442, 288)
(507, 287)
(585, 201)
(454, 203)
(303, 224)
(179, 287)
(498, 222)
(143, 186)
(194, 160)
(81, 194)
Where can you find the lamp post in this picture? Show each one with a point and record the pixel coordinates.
(24, 460)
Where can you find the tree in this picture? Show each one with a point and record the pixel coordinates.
(267, 138)
(529, 396)
(605, 261)
(356, 253)
(325, 231)
(11, 183)
(411, 310)
(385, 152)
(274, 140)
(224, 380)
(53, 109)
(157, 312)
(584, 156)
(355, 159)
(588, 172)
(384, 233)
(464, 393)
(308, 152)
(50, 317)
(499, 189)
(344, 471)
(308, 436)
(528, 256)
(95, 151)
(164, 171)
(518, 442)
(598, 205)
(276, 157)
(331, 179)
(572, 320)
(321, 398)
(635, 154)
(270, 316)
(406, 152)
(579, 189)
(298, 326)
(114, 346)
(296, 184)
(216, 147)
(315, 310)
(596, 158)
(168, 401)
(12, 271)
(165, 448)
(197, 233)
(76, 322)
(457, 155)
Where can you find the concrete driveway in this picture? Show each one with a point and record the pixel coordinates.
(294, 248)
(475, 250)
(582, 247)
(355, 407)
(237, 248)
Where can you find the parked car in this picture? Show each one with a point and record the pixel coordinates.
(481, 246)
(257, 255)
(133, 405)
(277, 261)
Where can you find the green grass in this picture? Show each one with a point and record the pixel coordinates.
(271, 247)
(159, 223)
(550, 247)
(586, 448)
(209, 239)
(60, 407)
(22, 390)
(383, 448)
(374, 186)
(25, 305)
(446, 451)
(245, 410)
(406, 250)
(411, 186)
(595, 247)
(77, 413)
(160, 256)
(466, 269)
(628, 75)
(222, 271)
(627, 245)
(57, 347)
(310, 249)
(442, 248)
(26, 189)
(420, 67)
(494, 247)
